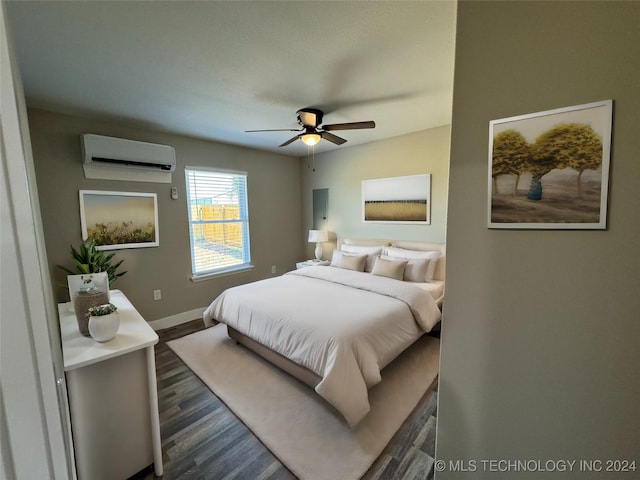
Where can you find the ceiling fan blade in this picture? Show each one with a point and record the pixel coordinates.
(332, 138)
(276, 130)
(349, 126)
(291, 140)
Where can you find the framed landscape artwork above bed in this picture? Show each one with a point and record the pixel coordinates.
(397, 200)
(550, 170)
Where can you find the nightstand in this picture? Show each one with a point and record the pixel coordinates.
(313, 263)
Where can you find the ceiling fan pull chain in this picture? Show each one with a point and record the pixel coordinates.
(313, 157)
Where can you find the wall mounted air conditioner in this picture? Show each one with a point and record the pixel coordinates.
(111, 158)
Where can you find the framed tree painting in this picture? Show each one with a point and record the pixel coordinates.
(115, 220)
(397, 199)
(550, 170)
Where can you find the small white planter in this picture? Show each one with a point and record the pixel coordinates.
(104, 327)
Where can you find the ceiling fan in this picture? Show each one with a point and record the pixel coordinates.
(311, 132)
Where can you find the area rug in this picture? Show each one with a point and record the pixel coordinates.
(304, 432)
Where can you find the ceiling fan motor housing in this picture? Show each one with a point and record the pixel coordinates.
(309, 117)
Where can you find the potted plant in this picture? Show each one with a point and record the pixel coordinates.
(86, 291)
(88, 259)
(104, 321)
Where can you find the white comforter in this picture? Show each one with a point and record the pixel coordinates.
(343, 325)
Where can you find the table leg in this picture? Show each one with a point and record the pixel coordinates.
(153, 410)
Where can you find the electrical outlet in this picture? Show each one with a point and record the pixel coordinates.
(157, 295)
(273, 269)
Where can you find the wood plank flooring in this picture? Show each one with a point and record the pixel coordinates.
(202, 439)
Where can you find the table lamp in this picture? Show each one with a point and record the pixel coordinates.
(318, 236)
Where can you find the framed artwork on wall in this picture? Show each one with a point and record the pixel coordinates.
(116, 220)
(550, 170)
(397, 199)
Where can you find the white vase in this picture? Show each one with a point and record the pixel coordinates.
(104, 327)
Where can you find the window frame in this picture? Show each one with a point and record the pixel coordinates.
(243, 208)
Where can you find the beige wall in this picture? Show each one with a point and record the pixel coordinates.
(343, 170)
(274, 211)
(541, 329)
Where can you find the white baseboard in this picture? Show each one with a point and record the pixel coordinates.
(177, 319)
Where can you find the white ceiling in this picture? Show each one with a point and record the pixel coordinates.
(213, 69)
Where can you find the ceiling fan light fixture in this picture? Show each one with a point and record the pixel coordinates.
(310, 139)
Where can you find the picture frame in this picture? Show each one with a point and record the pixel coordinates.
(550, 169)
(399, 200)
(117, 220)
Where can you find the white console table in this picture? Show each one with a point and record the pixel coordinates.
(113, 396)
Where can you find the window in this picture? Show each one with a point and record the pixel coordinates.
(218, 221)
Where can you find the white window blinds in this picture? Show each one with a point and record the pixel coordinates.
(218, 220)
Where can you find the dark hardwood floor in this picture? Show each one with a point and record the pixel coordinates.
(202, 439)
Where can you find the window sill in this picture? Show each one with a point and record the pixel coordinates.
(221, 273)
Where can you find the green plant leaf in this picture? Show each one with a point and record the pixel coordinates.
(88, 259)
(81, 268)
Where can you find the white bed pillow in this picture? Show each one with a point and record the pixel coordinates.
(372, 251)
(348, 260)
(389, 268)
(415, 270)
(335, 258)
(432, 255)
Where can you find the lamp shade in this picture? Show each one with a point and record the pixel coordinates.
(310, 138)
(318, 236)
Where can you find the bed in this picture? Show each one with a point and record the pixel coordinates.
(336, 327)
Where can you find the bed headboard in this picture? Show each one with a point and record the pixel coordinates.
(439, 273)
